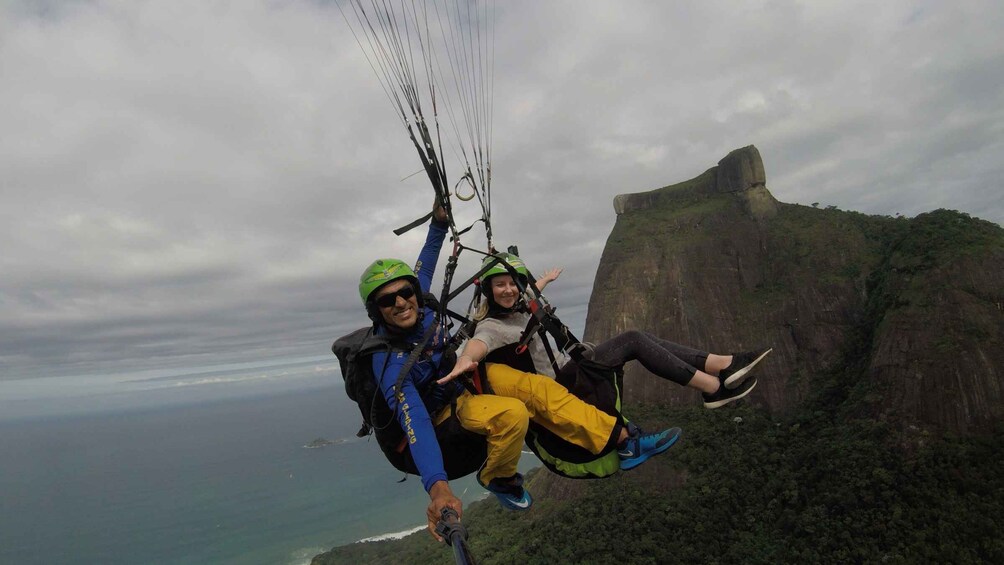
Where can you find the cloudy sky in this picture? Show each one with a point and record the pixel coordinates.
(191, 183)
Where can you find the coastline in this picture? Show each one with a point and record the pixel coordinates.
(392, 535)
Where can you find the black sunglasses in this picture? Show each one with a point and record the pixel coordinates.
(388, 300)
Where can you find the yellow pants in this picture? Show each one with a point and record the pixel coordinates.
(519, 398)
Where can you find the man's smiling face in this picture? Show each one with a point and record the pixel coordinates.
(402, 312)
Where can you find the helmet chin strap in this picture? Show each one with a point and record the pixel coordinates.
(495, 309)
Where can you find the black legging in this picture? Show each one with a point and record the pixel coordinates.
(666, 359)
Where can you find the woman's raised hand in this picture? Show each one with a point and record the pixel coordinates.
(547, 277)
(552, 275)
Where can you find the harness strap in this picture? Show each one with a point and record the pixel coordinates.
(373, 403)
(468, 228)
(563, 338)
(470, 384)
(414, 355)
(479, 379)
(527, 335)
(550, 353)
(413, 225)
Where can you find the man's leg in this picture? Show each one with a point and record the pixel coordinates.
(503, 421)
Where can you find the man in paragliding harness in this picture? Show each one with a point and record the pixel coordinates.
(416, 355)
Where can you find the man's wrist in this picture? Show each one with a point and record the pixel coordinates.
(440, 488)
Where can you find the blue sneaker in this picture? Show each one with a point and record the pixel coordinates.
(638, 447)
(510, 492)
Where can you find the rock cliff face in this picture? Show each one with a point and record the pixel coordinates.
(908, 313)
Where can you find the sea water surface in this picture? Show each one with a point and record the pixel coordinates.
(198, 467)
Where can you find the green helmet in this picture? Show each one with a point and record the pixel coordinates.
(381, 272)
(498, 269)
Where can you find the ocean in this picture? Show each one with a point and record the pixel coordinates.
(201, 467)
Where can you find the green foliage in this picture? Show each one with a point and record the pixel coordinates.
(940, 237)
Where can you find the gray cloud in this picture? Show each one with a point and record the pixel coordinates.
(193, 183)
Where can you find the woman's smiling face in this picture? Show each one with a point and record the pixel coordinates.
(504, 290)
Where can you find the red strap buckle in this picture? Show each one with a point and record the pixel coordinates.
(476, 380)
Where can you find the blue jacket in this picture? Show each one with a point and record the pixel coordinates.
(413, 415)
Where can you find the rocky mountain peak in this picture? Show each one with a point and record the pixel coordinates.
(740, 173)
(902, 316)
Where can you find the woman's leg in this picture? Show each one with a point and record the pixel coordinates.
(553, 407)
(679, 364)
(714, 365)
(683, 365)
(702, 360)
(664, 358)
